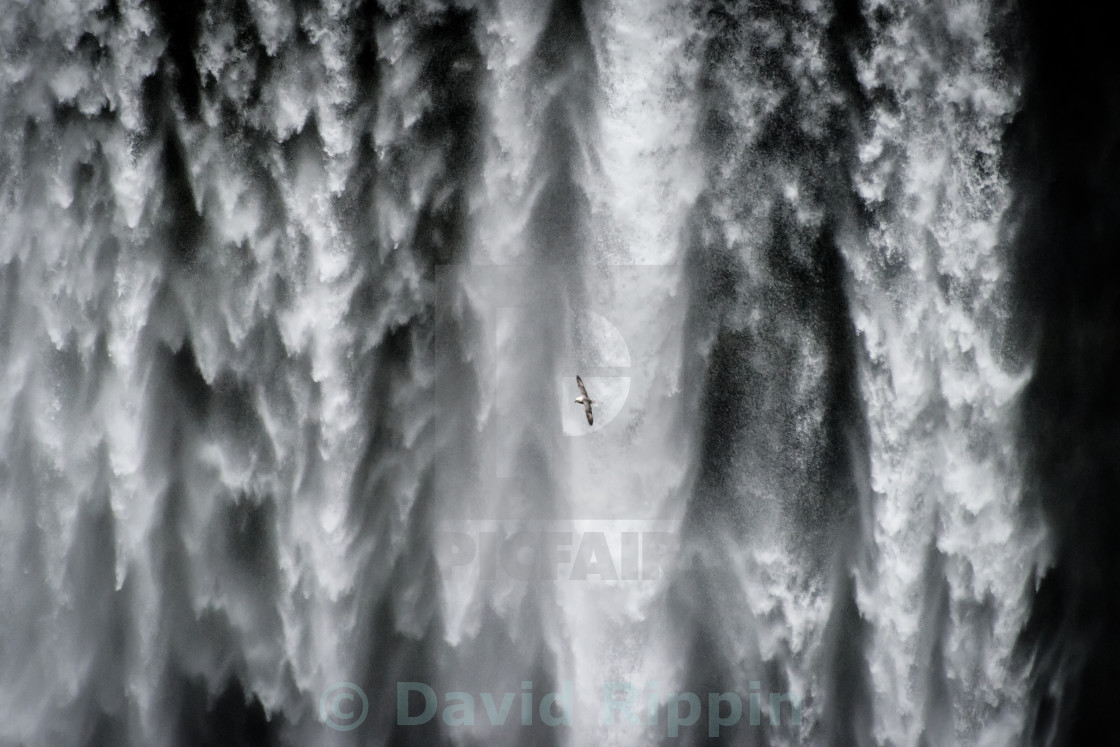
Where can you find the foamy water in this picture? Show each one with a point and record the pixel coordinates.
(291, 292)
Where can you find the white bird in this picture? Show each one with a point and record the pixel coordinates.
(584, 400)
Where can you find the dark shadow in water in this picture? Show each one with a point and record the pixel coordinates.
(1066, 173)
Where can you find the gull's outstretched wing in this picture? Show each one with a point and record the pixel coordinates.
(582, 389)
(587, 412)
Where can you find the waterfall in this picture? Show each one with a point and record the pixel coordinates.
(293, 298)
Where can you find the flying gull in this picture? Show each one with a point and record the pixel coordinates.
(585, 401)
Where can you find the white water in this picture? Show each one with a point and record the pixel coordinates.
(146, 538)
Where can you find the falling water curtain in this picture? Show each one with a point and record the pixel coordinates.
(293, 295)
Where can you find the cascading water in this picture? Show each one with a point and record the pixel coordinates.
(292, 300)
